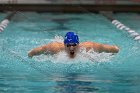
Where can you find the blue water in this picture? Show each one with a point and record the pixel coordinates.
(58, 74)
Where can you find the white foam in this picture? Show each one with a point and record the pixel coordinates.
(82, 56)
(97, 57)
(58, 39)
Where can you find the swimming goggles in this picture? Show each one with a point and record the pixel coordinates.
(68, 45)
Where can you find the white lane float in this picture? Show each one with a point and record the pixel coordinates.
(5, 22)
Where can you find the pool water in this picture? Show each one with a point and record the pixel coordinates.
(106, 73)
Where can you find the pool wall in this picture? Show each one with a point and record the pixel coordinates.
(68, 7)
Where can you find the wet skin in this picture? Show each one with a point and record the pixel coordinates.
(72, 49)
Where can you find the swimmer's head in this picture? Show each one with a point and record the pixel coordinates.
(71, 37)
(71, 42)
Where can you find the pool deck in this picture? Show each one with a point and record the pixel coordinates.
(68, 7)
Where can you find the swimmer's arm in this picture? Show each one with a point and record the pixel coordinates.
(38, 51)
(106, 48)
(109, 49)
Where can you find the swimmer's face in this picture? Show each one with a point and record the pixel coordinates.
(71, 49)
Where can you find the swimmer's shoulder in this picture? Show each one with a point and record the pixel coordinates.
(53, 47)
(56, 46)
(87, 43)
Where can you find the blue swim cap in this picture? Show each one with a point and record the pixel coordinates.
(71, 37)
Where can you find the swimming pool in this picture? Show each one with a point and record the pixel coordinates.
(58, 74)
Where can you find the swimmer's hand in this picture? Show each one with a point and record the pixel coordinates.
(30, 55)
(116, 49)
(34, 52)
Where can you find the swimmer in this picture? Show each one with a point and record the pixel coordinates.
(72, 46)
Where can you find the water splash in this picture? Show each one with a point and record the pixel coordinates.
(58, 39)
(83, 56)
(95, 56)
